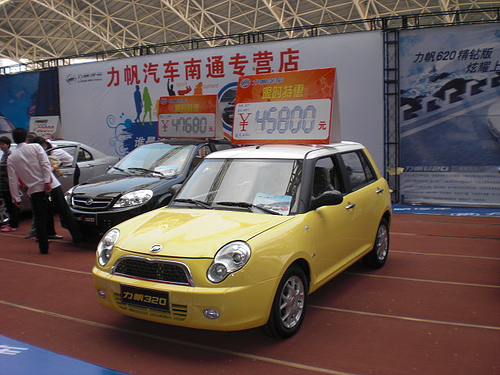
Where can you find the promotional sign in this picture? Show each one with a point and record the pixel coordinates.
(450, 101)
(290, 107)
(194, 116)
(45, 126)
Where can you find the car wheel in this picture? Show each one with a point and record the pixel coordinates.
(289, 305)
(377, 257)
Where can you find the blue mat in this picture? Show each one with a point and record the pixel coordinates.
(443, 210)
(17, 358)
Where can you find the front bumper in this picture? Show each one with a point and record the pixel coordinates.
(238, 307)
(104, 220)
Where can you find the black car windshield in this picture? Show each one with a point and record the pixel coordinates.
(269, 184)
(157, 158)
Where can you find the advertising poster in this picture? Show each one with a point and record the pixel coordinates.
(25, 95)
(450, 115)
(289, 107)
(45, 126)
(113, 105)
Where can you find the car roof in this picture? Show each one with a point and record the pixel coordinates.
(281, 151)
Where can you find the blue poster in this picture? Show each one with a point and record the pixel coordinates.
(25, 95)
(450, 115)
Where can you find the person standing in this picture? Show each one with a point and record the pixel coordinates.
(11, 208)
(30, 164)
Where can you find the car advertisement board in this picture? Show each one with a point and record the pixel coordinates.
(45, 126)
(289, 107)
(450, 105)
(113, 104)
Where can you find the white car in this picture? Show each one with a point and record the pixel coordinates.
(87, 163)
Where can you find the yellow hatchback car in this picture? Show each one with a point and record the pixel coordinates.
(247, 238)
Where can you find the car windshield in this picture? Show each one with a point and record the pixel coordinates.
(260, 185)
(158, 158)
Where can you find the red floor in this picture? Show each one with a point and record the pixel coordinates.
(433, 309)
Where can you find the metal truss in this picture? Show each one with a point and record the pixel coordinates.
(60, 30)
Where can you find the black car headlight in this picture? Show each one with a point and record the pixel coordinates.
(134, 198)
(105, 247)
(67, 196)
(230, 258)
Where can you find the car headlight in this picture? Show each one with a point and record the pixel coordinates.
(67, 196)
(134, 198)
(105, 247)
(230, 258)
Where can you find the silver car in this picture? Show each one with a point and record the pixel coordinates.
(87, 163)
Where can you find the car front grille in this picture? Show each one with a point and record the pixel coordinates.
(91, 203)
(153, 270)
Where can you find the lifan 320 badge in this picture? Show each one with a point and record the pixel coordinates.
(247, 238)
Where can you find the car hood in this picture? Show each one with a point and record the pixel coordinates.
(111, 185)
(192, 233)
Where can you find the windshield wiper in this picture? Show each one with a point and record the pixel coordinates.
(194, 201)
(249, 206)
(144, 170)
(119, 169)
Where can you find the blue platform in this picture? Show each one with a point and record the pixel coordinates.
(445, 210)
(18, 358)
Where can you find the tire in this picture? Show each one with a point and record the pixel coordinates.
(378, 255)
(289, 305)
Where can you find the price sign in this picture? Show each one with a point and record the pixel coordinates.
(186, 125)
(188, 116)
(288, 107)
(290, 119)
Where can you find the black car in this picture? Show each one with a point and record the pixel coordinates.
(138, 183)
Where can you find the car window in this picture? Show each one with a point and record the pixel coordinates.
(325, 177)
(254, 181)
(358, 169)
(84, 155)
(160, 157)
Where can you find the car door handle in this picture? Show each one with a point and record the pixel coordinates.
(349, 206)
(379, 191)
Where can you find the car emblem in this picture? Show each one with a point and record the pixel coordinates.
(89, 201)
(155, 248)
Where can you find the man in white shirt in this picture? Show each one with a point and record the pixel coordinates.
(30, 164)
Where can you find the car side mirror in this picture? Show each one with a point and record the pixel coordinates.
(328, 198)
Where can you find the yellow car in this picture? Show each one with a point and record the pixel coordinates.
(247, 238)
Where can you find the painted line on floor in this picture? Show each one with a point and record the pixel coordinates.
(406, 318)
(423, 280)
(45, 266)
(444, 255)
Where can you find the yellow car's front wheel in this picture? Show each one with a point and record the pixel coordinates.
(289, 305)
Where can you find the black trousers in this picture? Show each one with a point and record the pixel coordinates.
(12, 209)
(44, 220)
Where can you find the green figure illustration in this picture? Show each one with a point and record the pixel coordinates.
(148, 106)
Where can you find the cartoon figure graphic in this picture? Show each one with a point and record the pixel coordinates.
(138, 103)
(198, 89)
(170, 88)
(147, 105)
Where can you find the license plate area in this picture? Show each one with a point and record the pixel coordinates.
(87, 219)
(147, 298)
